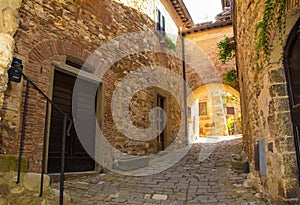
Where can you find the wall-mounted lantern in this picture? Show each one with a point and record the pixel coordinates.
(15, 70)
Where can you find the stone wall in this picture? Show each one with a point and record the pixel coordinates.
(8, 26)
(265, 104)
(57, 30)
(149, 7)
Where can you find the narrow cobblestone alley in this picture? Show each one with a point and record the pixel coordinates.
(188, 182)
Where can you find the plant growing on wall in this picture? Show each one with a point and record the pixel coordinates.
(230, 124)
(231, 78)
(171, 45)
(231, 98)
(274, 18)
(226, 51)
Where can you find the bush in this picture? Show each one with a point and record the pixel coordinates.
(226, 51)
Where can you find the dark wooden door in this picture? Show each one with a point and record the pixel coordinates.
(160, 123)
(293, 78)
(77, 159)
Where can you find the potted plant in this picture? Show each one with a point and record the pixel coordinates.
(230, 124)
(239, 163)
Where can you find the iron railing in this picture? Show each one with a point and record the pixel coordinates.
(64, 133)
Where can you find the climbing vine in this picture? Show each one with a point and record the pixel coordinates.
(171, 45)
(274, 17)
(226, 51)
(231, 78)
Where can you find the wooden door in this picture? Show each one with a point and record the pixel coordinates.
(292, 67)
(77, 159)
(160, 123)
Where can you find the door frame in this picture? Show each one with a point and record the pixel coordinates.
(72, 71)
(165, 107)
(287, 53)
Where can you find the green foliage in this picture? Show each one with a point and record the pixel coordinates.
(230, 124)
(239, 121)
(231, 78)
(231, 98)
(274, 17)
(226, 52)
(171, 44)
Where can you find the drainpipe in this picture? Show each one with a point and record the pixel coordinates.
(184, 83)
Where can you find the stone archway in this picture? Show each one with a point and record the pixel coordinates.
(292, 62)
(38, 66)
(214, 110)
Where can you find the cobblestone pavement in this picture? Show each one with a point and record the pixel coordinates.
(190, 181)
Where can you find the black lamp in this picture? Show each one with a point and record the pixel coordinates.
(15, 70)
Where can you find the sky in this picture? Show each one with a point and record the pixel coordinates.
(203, 10)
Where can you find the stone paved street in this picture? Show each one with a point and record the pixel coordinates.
(188, 182)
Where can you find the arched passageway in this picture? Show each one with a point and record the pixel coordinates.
(214, 110)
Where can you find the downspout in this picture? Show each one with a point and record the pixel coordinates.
(184, 82)
(184, 89)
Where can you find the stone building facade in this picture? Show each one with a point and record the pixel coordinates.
(8, 27)
(54, 40)
(207, 92)
(265, 61)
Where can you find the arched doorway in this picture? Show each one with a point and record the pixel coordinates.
(292, 69)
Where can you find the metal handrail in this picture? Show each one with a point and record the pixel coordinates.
(65, 132)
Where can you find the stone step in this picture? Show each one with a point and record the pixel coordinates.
(10, 163)
(55, 177)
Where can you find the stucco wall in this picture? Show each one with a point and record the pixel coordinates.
(207, 41)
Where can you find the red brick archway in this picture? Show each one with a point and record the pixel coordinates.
(37, 66)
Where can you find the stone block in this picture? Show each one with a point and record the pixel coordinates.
(6, 48)
(288, 188)
(132, 163)
(10, 3)
(32, 181)
(277, 76)
(4, 190)
(67, 198)
(2, 201)
(285, 144)
(279, 90)
(280, 125)
(290, 168)
(160, 197)
(279, 105)
(10, 163)
(10, 21)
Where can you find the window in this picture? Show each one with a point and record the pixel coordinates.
(202, 108)
(230, 110)
(226, 3)
(160, 23)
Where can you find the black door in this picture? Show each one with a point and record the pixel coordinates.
(293, 78)
(77, 158)
(160, 123)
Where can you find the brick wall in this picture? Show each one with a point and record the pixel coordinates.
(54, 30)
